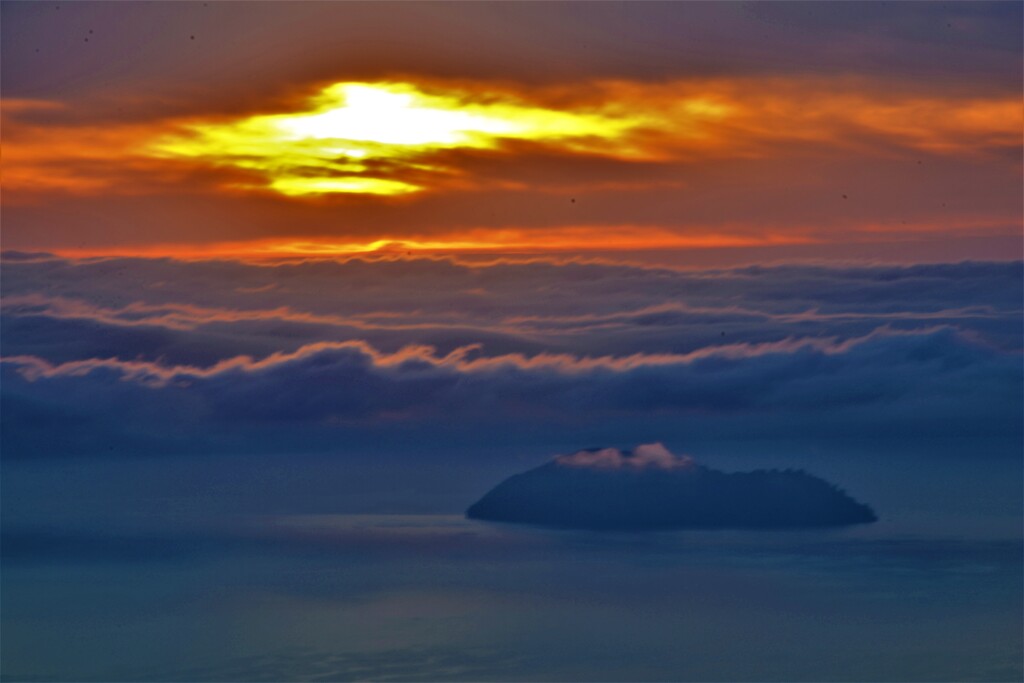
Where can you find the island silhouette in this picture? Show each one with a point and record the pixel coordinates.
(650, 488)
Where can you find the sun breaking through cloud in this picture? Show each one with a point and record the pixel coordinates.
(394, 138)
(355, 133)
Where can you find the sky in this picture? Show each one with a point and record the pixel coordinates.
(722, 132)
(260, 226)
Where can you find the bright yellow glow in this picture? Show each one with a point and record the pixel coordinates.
(352, 129)
(389, 115)
(295, 186)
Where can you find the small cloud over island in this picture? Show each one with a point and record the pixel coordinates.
(651, 488)
(653, 455)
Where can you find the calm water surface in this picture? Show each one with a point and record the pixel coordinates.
(437, 597)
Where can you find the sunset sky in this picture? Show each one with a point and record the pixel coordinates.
(730, 131)
(287, 286)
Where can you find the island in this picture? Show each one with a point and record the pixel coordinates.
(650, 488)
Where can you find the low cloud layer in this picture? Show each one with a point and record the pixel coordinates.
(170, 356)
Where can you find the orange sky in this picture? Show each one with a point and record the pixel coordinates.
(408, 161)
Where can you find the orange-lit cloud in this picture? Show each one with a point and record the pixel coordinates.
(157, 375)
(390, 138)
(553, 240)
(507, 241)
(45, 158)
(354, 135)
(394, 138)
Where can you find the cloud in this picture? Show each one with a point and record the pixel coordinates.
(911, 114)
(170, 356)
(333, 143)
(933, 376)
(149, 308)
(462, 360)
(147, 49)
(644, 456)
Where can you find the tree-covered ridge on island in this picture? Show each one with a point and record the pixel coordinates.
(650, 488)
